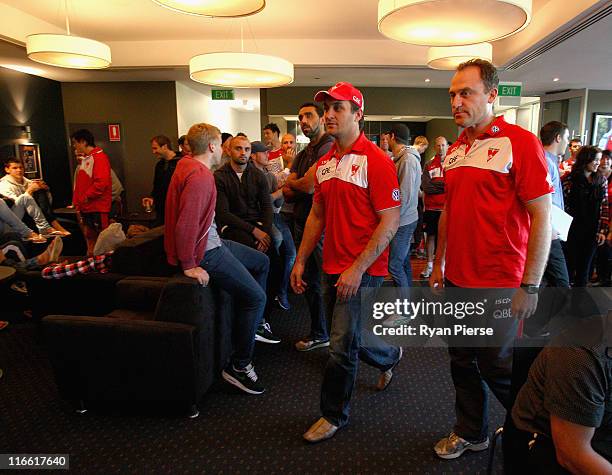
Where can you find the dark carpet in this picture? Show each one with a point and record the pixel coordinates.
(390, 432)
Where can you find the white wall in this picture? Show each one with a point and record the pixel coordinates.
(194, 104)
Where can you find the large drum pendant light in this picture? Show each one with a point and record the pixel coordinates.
(214, 8)
(68, 51)
(451, 22)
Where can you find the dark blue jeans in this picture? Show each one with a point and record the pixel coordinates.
(349, 343)
(399, 255)
(242, 272)
(287, 251)
(313, 294)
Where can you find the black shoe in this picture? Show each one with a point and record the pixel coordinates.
(245, 379)
(264, 334)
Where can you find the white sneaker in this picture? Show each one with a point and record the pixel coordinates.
(427, 271)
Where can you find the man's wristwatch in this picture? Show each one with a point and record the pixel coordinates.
(530, 288)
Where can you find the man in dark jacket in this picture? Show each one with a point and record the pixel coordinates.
(244, 207)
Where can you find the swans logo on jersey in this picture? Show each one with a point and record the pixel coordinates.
(354, 169)
(491, 153)
(395, 194)
(495, 129)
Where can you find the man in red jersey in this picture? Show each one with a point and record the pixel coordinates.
(92, 195)
(192, 242)
(494, 232)
(357, 203)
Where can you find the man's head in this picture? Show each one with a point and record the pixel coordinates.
(441, 146)
(310, 117)
(184, 145)
(240, 150)
(421, 143)
(574, 146)
(343, 109)
(161, 145)
(398, 135)
(259, 154)
(271, 134)
(473, 91)
(14, 168)
(287, 142)
(555, 137)
(606, 163)
(205, 139)
(384, 142)
(81, 141)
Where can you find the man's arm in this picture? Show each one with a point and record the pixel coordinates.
(437, 274)
(315, 224)
(573, 447)
(101, 179)
(349, 281)
(538, 248)
(224, 216)
(304, 184)
(265, 202)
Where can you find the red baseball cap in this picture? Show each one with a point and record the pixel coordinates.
(343, 91)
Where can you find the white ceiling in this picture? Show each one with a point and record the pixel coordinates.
(327, 41)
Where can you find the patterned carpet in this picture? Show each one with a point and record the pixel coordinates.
(390, 432)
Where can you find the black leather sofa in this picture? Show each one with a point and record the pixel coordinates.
(119, 339)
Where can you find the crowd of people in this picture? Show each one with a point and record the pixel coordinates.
(256, 218)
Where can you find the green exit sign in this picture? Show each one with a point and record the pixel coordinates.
(222, 94)
(510, 90)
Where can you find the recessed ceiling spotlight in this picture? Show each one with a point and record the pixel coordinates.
(555, 79)
(427, 80)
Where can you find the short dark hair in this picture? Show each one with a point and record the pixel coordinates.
(401, 133)
(355, 108)
(241, 134)
(549, 131)
(576, 139)
(13, 160)
(488, 72)
(316, 106)
(162, 140)
(606, 153)
(225, 136)
(181, 140)
(273, 127)
(84, 135)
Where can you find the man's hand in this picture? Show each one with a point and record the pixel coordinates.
(297, 284)
(436, 279)
(601, 238)
(198, 274)
(33, 187)
(289, 155)
(348, 283)
(523, 304)
(262, 238)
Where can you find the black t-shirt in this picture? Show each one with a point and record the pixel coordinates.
(302, 162)
(572, 379)
(164, 169)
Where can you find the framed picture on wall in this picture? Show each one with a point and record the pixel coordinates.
(29, 153)
(602, 130)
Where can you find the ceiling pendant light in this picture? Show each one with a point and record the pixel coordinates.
(67, 51)
(451, 22)
(450, 57)
(214, 8)
(233, 69)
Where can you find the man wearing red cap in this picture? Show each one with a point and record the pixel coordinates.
(357, 202)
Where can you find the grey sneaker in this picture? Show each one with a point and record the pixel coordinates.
(387, 376)
(396, 321)
(453, 446)
(308, 344)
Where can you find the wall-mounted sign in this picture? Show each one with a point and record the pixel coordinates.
(509, 89)
(114, 133)
(222, 94)
(29, 153)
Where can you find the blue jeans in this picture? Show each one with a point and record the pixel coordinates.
(313, 294)
(10, 222)
(349, 344)
(288, 254)
(241, 272)
(399, 255)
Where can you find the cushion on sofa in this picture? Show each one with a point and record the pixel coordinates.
(143, 255)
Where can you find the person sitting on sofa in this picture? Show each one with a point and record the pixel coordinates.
(31, 197)
(13, 254)
(193, 243)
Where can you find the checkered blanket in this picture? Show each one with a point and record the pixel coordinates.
(99, 263)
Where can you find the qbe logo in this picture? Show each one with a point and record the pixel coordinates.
(395, 194)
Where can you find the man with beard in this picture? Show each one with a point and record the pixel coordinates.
(299, 188)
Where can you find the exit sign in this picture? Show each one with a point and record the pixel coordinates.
(510, 89)
(222, 94)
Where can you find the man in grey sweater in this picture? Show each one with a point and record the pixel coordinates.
(408, 166)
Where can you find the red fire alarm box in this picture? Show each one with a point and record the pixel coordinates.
(114, 133)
